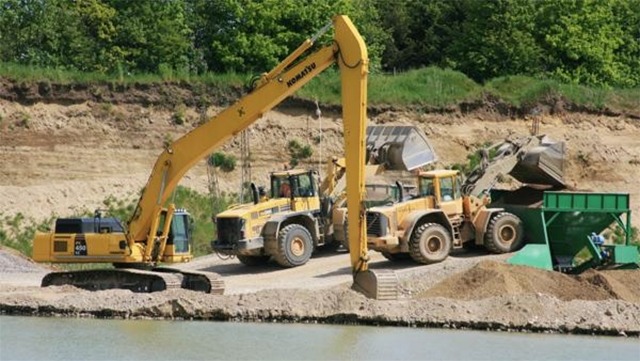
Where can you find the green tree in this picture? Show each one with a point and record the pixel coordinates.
(31, 31)
(96, 20)
(419, 32)
(580, 39)
(627, 55)
(254, 36)
(496, 39)
(152, 34)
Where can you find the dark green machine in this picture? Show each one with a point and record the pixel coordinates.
(563, 229)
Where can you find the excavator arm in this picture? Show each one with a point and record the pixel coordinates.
(147, 232)
(348, 50)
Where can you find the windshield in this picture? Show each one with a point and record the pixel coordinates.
(280, 187)
(426, 187)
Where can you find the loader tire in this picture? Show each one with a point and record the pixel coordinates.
(253, 261)
(430, 243)
(294, 246)
(504, 233)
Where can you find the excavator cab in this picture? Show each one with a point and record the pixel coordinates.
(179, 237)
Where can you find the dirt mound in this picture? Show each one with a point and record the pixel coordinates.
(13, 261)
(620, 284)
(489, 279)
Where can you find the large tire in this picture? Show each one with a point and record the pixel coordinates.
(396, 257)
(294, 246)
(504, 233)
(430, 243)
(253, 261)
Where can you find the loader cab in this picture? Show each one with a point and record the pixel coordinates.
(445, 186)
(295, 183)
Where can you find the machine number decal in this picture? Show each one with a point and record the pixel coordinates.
(80, 246)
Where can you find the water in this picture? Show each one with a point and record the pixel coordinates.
(33, 338)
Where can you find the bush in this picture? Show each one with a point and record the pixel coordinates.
(298, 152)
(226, 162)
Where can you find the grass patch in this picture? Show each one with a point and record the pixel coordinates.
(524, 90)
(17, 231)
(25, 73)
(431, 87)
(521, 90)
(428, 87)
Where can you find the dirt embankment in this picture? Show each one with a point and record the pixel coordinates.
(66, 148)
(70, 149)
(461, 292)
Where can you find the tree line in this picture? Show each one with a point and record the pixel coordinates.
(590, 42)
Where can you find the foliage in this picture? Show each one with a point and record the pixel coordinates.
(201, 207)
(587, 42)
(496, 39)
(427, 87)
(617, 235)
(226, 162)
(179, 116)
(17, 231)
(474, 158)
(298, 152)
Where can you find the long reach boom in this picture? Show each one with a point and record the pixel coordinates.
(149, 239)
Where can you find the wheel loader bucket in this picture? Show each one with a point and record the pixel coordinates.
(379, 285)
(531, 160)
(398, 147)
(542, 164)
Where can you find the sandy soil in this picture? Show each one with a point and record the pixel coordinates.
(59, 157)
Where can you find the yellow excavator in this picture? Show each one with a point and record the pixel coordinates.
(159, 233)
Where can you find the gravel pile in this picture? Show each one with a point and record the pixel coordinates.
(14, 262)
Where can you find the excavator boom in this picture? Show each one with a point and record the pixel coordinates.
(148, 232)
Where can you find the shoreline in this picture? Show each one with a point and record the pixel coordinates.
(612, 320)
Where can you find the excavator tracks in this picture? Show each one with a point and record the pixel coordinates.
(137, 280)
(131, 279)
(207, 282)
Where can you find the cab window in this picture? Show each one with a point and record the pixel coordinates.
(280, 187)
(426, 187)
(179, 233)
(303, 186)
(457, 190)
(446, 189)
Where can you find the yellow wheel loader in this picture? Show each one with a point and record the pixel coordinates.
(449, 212)
(157, 232)
(302, 214)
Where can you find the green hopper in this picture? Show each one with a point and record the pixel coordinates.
(562, 229)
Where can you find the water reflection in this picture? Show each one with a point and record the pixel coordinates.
(32, 338)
